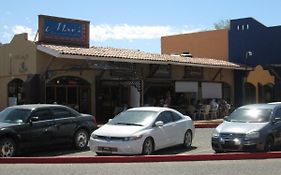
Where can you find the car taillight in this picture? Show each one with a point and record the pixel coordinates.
(94, 120)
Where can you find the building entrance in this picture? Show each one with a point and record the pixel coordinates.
(70, 91)
(116, 96)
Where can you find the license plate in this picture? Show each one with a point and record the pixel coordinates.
(107, 149)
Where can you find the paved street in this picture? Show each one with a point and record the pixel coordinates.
(234, 167)
(201, 144)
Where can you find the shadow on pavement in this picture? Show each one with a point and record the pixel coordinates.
(68, 150)
(52, 151)
(174, 150)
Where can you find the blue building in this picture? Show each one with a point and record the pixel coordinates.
(251, 43)
(247, 34)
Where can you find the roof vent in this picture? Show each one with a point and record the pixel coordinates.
(174, 54)
(186, 54)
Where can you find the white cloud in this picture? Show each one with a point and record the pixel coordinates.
(9, 32)
(17, 29)
(105, 32)
(133, 32)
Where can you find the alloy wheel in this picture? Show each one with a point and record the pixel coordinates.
(81, 139)
(7, 147)
(187, 139)
(147, 146)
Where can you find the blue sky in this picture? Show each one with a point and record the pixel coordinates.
(134, 24)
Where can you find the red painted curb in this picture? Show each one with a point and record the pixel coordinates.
(206, 125)
(129, 159)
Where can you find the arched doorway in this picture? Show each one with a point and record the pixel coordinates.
(71, 91)
(250, 96)
(15, 92)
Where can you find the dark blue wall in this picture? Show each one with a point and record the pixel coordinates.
(264, 42)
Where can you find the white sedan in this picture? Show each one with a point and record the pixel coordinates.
(142, 130)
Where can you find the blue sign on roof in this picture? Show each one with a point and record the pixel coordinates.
(55, 30)
(63, 29)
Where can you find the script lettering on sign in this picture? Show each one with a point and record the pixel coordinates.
(66, 29)
(57, 30)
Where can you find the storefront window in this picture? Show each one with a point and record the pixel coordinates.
(71, 91)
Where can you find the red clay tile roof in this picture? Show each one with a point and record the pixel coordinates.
(135, 55)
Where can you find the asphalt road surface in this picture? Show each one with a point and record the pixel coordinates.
(233, 167)
(201, 144)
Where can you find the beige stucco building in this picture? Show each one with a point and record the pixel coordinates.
(17, 62)
(61, 68)
(97, 80)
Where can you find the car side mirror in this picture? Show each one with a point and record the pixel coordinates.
(276, 120)
(225, 118)
(33, 119)
(159, 123)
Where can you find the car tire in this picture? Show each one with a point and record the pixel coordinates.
(148, 146)
(268, 144)
(218, 151)
(187, 141)
(102, 154)
(81, 139)
(7, 147)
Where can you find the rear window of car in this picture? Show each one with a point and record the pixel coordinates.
(176, 116)
(14, 115)
(63, 113)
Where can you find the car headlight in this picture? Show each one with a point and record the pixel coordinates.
(216, 133)
(94, 136)
(253, 135)
(132, 138)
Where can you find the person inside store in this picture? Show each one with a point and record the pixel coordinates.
(191, 109)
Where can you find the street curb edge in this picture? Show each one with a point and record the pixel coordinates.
(135, 159)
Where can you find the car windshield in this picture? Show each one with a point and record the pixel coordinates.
(14, 115)
(250, 115)
(137, 118)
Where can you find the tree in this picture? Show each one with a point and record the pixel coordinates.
(222, 24)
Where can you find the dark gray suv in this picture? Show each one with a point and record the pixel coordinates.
(28, 126)
(250, 127)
